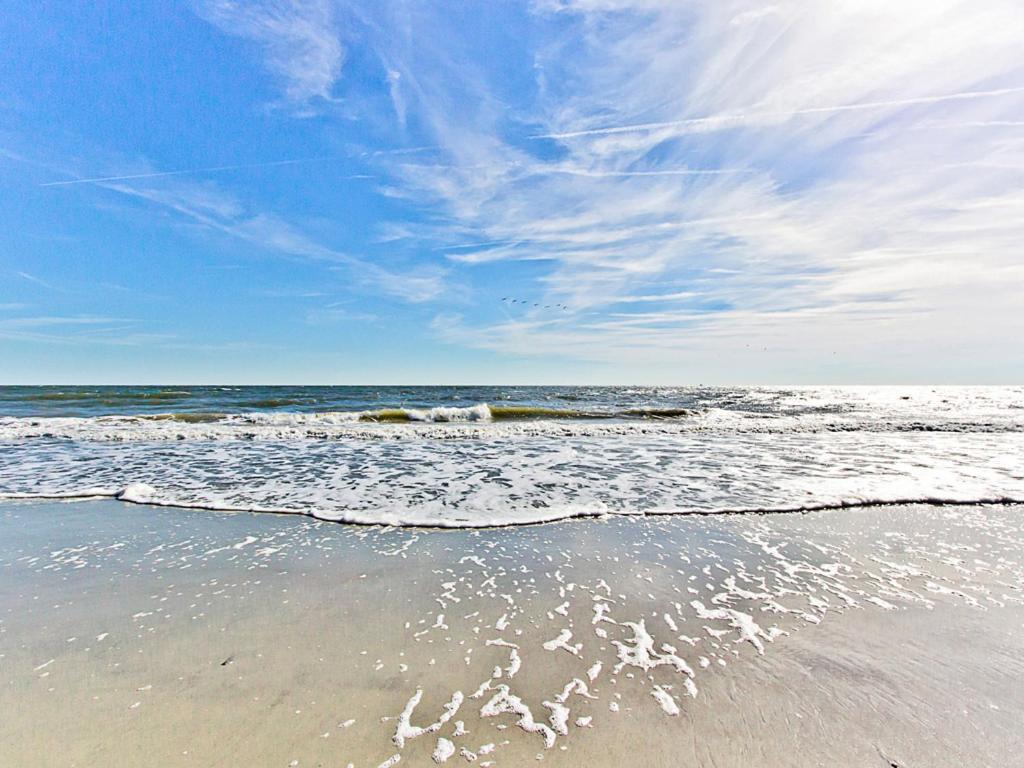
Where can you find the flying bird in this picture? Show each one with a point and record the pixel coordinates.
(510, 300)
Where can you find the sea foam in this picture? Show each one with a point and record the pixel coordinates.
(567, 453)
(508, 480)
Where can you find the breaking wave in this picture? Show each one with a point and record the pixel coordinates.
(480, 422)
(437, 414)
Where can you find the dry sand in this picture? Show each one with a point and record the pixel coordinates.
(140, 636)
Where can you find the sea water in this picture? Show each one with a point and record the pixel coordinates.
(474, 456)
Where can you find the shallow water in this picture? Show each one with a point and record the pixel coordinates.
(479, 456)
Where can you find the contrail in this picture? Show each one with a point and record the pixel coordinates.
(212, 169)
(712, 119)
(665, 172)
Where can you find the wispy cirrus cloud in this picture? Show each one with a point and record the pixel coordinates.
(37, 281)
(754, 117)
(73, 329)
(212, 209)
(181, 172)
(299, 39)
(818, 175)
(103, 331)
(692, 180)
(55, 320)
(338, 312)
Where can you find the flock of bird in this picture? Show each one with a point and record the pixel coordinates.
(509, 300)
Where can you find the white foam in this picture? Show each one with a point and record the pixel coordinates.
(559, 717)
(405, 730)
(514, 660)
(562, 641)
(443, 750)
(665, 700)
(638, 651)
(749, 630)
(139, 493)
(505, 702)
(477, 473)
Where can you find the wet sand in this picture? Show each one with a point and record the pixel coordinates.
(135, 635)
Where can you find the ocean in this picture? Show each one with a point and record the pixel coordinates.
(477, 456)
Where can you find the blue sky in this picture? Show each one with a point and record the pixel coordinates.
(551, 191)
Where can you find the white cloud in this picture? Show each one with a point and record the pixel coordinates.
(807, 176)
(736, 120)
(38, 281)
(181, 172)
(211, 209)
(692, 179)
(298, 37)
(338, 312)
(54, 320)
(394, 79)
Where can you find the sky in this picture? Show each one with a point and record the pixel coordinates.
(556, 191)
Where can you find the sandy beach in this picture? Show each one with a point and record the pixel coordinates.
(574, 383)
(136, 635)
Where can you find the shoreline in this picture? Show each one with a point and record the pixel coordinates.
(839, 506)
(247, 637)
